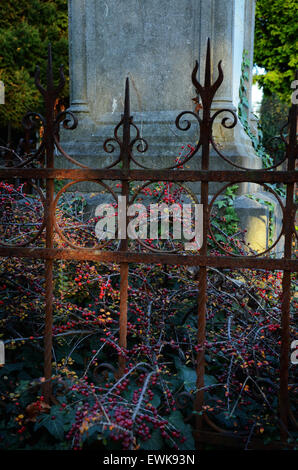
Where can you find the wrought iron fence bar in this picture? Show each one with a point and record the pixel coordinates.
(126, 175)
(124, 266)
(254, 176)
(289, 217)
(205, 135)
(50, 97)
(152, 258)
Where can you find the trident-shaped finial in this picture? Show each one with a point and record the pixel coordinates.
(51, 89)
(207, 91)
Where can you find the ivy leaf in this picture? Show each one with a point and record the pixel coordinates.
(7, 368)
(245, 101)
(220, 238)
(189, 378)
(155, 400)
(154, 443)
(92, 433)
(176, 419)
(209, 380)
(220, 203)
(53, 423)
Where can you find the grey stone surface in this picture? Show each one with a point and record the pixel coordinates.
(254, 218)
(155, 43)
(277, 218)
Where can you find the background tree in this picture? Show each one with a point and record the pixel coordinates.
(273, 117)
(276, 45)
(26, 28)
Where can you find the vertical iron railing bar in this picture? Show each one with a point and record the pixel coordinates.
(284, 405)
(49, 219)
(125, 159)
(202, 280)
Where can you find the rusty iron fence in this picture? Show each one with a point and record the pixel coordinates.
(124, 173)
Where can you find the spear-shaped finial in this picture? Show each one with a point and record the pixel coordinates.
(126, 119)
(127, 99)
(208, 66)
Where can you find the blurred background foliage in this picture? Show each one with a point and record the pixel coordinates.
(276, 46)
(26, 28)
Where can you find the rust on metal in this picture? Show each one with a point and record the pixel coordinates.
(123, 147)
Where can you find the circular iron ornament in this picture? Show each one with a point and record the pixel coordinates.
(184, 399)
(140, 141)
(145, 245)
(66, 155)
(187, 123)
(272, 151)
(186, 127)
(29, 124)
(42, 224)
(56, 225)
(221, 430)
(29, 120)
(109, 144)
(210, 206)
(68, 119)
(225, 120)
(70, 124)
(225, 124)
(104, 367)
(283, 139)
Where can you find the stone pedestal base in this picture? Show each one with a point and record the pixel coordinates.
(165, 142)
(260, 226)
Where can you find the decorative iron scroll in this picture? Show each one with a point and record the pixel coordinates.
(40, 165)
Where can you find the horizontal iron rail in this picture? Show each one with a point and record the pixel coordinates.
(254, 176)
(125, 174)
(152, 258)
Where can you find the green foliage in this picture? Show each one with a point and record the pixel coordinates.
(243, 109)
(241, 359)
(276, 45)
(152, 405)
(273, 117)
(229, 222)
(20, 95)
(53, 422)
(176, 419)
(26, 28)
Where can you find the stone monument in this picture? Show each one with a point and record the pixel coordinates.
(156, 43)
